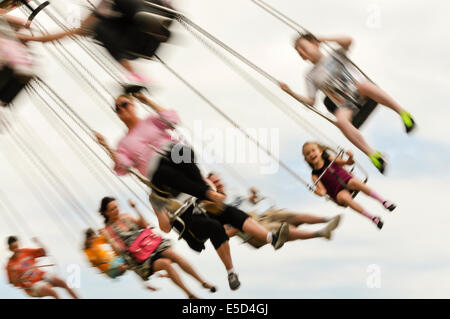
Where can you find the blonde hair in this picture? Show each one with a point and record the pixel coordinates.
(323, 148)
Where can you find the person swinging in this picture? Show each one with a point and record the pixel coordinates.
(346, 87)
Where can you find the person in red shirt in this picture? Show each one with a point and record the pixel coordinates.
(23, 272)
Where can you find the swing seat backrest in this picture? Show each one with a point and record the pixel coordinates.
(363, 113)
(35, 12)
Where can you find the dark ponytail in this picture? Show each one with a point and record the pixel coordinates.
(104, 206)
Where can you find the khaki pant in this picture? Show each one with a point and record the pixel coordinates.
(270, 220)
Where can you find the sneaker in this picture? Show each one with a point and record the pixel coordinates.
(280, 236)
(408, 121)
(379, 160)
(389, 206)
(233, 281)
(378, 222)
(332, 225)
(209, 287)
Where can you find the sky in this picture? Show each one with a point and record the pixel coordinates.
(401, 45)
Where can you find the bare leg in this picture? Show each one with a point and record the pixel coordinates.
(165, 264)
(307, 219)
(47, 291)
(343, 116)
(184, 264)
(355, 184)
(345, 198)
(58, 282)
(225, 255)
(295, 234)
(367, 89)
(253, 228)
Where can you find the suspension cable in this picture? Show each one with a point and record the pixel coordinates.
(297, 27)
(86, 129)
(226, 117)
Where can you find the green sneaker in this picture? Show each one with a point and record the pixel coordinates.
(378, 159)
(407, 121)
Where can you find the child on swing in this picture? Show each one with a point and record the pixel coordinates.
(337, 183)
(345, 86)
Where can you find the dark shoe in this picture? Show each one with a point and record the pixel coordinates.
(391, 207)
(280, 236)
(233, 281)
(378, 222)
(208, 286)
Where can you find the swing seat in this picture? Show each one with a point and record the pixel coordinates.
(11, 84)
(355, 193)
(360, 116)
(36, 11)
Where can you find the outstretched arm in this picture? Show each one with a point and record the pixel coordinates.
(344, 42)
(342, 162)
(141, 221)
(102, 141)
(15, 21)
(42, 251)
(49, 37)
(302, 99)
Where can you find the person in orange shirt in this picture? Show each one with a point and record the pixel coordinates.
(23, 272)
(102, 256)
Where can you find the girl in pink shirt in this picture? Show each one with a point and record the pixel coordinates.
(16, 62)
(147, 146)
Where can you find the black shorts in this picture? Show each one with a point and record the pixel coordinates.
(11, 84)
(123, 40)
(199, 228)
(231, 216)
